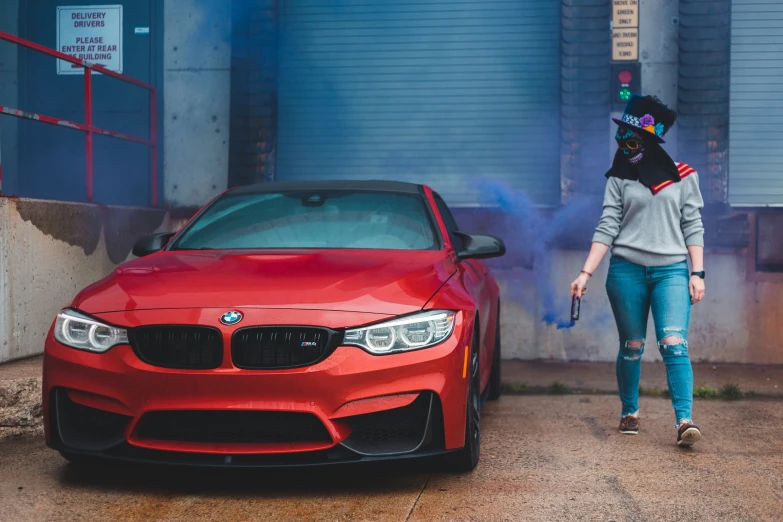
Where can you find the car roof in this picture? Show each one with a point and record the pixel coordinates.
(363, 185)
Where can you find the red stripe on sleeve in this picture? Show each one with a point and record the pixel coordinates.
(687, 172)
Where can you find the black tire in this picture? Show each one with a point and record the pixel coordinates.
(70, 457)
(466, 459)
(80, 460)
(494, 379)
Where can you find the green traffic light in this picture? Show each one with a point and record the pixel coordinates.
(625, 94)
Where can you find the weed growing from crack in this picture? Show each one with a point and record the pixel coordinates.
(705, 392)
(650, 392)
(731, 392)
(557, 388)
(513, 388)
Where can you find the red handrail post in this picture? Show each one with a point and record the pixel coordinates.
(87, 127)
(154, 146)
(88, 124)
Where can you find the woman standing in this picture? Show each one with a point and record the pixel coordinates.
(651, 219)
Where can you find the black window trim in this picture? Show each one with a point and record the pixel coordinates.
(455, 241)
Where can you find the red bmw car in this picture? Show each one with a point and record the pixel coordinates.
(284, 324)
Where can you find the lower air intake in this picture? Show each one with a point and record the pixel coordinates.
(393, 432)
(84, 428)
(238, 427)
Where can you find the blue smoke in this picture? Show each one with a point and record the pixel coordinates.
(531, 234)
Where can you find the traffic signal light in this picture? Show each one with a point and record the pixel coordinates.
(626, 80)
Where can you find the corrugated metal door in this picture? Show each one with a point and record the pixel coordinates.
(756, 108)
(431, 91)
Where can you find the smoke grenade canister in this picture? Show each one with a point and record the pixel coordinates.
(576, 303)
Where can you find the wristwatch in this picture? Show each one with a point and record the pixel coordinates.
(700, 274)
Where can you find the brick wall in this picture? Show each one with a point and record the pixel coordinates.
(253, 91)
(586, 74)
(703, 98)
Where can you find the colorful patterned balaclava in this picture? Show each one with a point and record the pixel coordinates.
(631, 144)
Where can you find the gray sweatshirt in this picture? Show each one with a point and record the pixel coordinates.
(651, 230)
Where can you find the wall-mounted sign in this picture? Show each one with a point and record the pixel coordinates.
(625, 30)
(625, 44)
(92, 33)
(625, 13)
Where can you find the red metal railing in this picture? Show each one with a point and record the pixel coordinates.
(87, 127)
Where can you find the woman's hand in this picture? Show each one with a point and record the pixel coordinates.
(697, 289)
(579, 286)
(597, 253)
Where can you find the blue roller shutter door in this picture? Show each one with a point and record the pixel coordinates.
(428, 91)
(756, 108)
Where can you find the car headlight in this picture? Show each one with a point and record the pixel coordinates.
(401, 335)
(81, 332)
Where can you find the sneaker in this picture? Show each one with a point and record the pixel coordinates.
(629, 425)
(688, 434)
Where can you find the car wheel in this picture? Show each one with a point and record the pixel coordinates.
(467, 458)
(494, 379)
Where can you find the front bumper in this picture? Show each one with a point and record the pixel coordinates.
(355, 405)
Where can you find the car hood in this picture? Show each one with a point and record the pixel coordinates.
(386, 282)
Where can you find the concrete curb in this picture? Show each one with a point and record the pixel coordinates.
(599, 377)
(517, 388)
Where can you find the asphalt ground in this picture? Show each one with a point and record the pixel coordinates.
(543, 458)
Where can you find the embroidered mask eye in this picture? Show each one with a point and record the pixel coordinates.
(631, 144)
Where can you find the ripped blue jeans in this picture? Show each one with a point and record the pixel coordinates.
(633, 290)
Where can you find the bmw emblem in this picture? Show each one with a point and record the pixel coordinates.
(231, 318)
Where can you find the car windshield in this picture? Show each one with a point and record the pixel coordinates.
(307, 219)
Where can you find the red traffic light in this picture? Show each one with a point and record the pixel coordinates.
(625, 77)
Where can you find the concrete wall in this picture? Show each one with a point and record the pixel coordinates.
(739, 321)
(9, 22)
(49, 251)
(197, 88)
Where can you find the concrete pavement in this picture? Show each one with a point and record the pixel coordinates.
(543, 458)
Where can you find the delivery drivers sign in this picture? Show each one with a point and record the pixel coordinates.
(92, 33)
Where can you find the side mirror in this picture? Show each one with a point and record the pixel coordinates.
(151, 243)
(480, 246)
